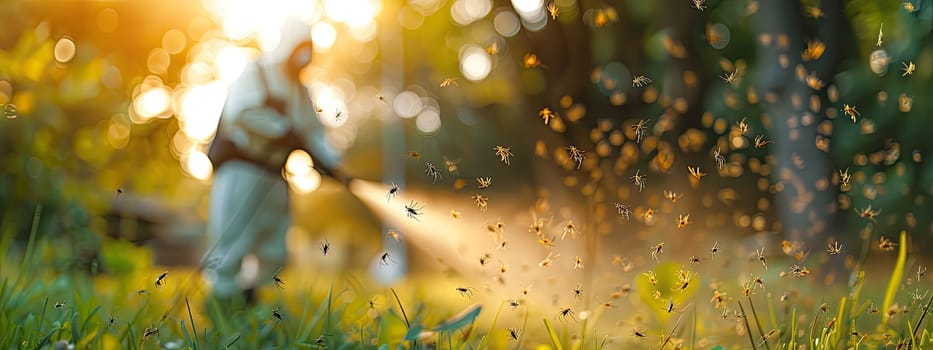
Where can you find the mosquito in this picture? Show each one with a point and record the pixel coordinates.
(623, 210)
(640, 129)
(325, 247)
(432, 171)
(640, 180)
(412, 210)
(718, 157)
(393, 191)
(160, 281)
(640, 81)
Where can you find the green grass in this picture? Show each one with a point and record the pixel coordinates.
(43, 304)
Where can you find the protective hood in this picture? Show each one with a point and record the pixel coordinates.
(293, 33)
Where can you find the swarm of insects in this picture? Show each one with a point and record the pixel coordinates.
(393, 191)
(148, 332)
(624, 210)
(483, 182)
(548, 259)
(683, 221)
(432, 171)
(452, 166)
(552, 10)
(160, 281)
(546, 114)
(695, 172)
(564, 314)
(699, 4)
(480, 201)
(640, 129)
(741, 126)
(850, 111)
(413, 155)
(577, 155)
(672, 196)
(844, 178)
(761, 142)
(813, 51)
(493, 48)
(761, 257)
(412, 210)
(385, 259)
(648, 215)
(640, 180)
(652, 278)
(325, 247)
(886, 244)
(640, 81)
(868, 213)
(504, 154)
(449, 82)
(578, 291)
(908, 68)
(466, 291)
(656, 251)
(513, 333)
(718, 157)
(569, 228)
(530, 60)
(730, 78)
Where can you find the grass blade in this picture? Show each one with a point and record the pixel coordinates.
(895, 279)
(414, 344)
(551, 333)
(75, 334)
(793, 329)
(748, 329)
(88, 318)
(184, 332)
(230, 343)
(194, 328)
(761, 332)
(493, 325)
(913, 331)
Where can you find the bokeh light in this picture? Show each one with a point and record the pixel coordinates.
(174, 41)
(407, 104)
(200, 110)
(151, 103)
(507, 23)
(300, 173)
(198, 165)
(475, 63)
(324, 36)
(428, 121)
(64, 50)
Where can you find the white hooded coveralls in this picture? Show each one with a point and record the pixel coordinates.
(249, 209)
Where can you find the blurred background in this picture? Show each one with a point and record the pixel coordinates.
(109, 107)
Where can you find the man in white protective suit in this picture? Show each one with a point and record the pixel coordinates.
(267, 114)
